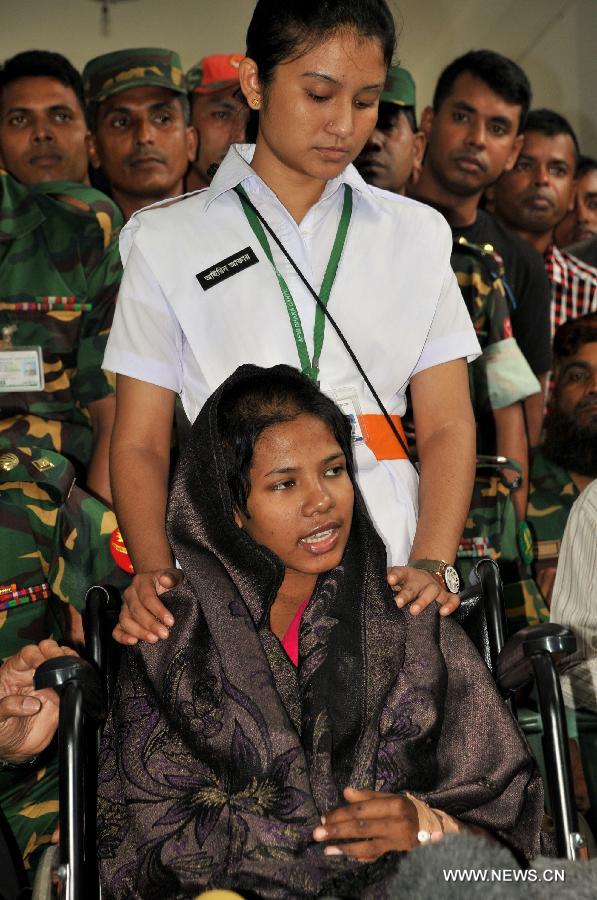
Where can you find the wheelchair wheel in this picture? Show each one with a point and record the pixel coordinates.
(43, 886)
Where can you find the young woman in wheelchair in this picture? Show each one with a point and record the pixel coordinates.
(298, 730)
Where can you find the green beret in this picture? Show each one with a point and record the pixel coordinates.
(112, 73)
(399, 88)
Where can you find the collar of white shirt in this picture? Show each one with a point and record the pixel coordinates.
(236, 169)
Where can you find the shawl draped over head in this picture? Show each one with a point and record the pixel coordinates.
(220, 756)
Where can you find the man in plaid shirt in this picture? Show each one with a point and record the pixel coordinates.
(535, 196)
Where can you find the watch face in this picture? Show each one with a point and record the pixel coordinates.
(452, 580)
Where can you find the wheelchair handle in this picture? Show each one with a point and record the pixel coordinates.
(100, 602)
(516, 663)
(550, 638)
(64, 670)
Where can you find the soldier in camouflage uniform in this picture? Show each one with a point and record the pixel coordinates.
(55, 542)
(59, 276)
(141, 137)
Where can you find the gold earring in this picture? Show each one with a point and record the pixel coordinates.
(255, 101)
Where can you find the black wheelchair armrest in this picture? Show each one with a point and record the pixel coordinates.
(515, 666)
(470, 615)
(481, 611)
(488, 573)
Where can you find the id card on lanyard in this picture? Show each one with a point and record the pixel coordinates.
(310, 367)
(346, 398)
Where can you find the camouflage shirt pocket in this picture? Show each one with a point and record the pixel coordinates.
(57, 332)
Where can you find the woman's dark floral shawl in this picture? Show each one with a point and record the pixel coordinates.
(220, 757)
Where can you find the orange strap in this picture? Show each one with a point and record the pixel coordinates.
(380, 438)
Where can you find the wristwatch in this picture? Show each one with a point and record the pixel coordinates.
(443, 572)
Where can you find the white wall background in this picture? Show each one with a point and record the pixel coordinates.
(554, 40)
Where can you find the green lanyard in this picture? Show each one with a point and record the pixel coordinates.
(310, 368)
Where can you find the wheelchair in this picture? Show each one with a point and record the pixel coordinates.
(86, 689)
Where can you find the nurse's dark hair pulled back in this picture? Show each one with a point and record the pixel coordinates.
(282, 31)
(267, 397)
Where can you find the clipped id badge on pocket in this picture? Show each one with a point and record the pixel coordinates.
(347, 399)
(21, 369)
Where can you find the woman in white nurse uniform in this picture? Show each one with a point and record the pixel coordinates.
(205, 289)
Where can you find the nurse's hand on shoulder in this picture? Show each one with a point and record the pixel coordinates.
(372, 823)
(143, 616)
(419, 588)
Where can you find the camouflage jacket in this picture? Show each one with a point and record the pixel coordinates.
(485, 298)
(54, 544)
(59, 275)
(501, 372)
(490, 527)
(481, 285)
(501, 376)
(551, 495)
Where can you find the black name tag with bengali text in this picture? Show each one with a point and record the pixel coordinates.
(228, 267)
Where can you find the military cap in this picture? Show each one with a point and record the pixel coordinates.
(112, 73)
(399, 87)
(214, 73)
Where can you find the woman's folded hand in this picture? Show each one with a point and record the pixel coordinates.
(143, 616)
(420, 588)
(371, 824)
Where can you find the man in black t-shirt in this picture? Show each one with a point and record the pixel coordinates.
(474, 134)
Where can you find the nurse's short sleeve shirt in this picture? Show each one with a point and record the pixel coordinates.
(395, 296)
(395, 299)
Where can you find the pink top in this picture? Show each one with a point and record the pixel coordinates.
(290, 641)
